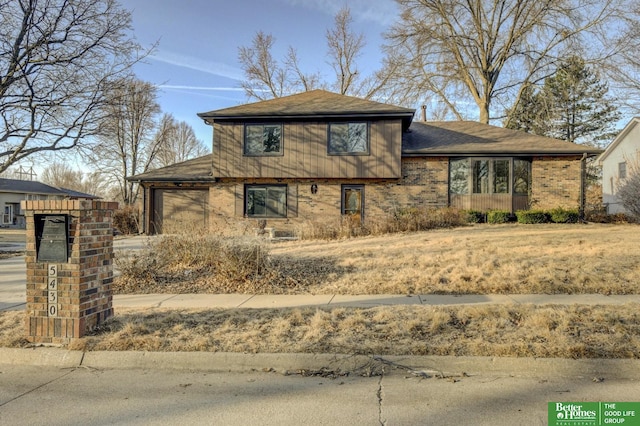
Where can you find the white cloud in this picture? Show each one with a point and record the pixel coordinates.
(382, 12)
(201, 88)
(202, 65)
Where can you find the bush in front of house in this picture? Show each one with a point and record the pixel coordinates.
(560, 215)
(230, 262)
(409, 219)
(532, 216)
(420, 219)
(498, 216)
(125, 220)
(475, 216)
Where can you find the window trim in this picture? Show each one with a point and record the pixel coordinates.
(338, 153)
(280, 152)
(248, 187)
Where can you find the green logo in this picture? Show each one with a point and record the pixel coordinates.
(594, 413)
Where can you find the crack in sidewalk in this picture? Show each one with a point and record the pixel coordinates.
(379, 394)
(37, 387)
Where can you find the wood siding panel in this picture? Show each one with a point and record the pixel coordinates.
(179, 209)
(486, 202)
(305, 153)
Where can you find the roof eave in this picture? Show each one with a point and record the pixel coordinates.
(205, 179)
(210, 118)
(423, 153)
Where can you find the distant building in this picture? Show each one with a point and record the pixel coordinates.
(13, 191)
(620, 158)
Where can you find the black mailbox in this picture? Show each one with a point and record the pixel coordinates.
(52, 238)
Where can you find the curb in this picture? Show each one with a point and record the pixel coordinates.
(318, 364)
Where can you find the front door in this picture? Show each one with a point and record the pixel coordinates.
(353, 201)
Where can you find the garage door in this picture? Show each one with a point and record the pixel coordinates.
(179, 210)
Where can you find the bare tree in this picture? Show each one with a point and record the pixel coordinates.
(126, 145)
(344, 48)
(266, 77)
(62, 175)
(482, 53)
(57, 58)
(629, 190)
(177, 142)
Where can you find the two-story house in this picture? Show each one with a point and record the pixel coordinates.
(317, 156)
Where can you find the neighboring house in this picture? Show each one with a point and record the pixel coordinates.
(317, 156)
(620, 159)
(13, 191)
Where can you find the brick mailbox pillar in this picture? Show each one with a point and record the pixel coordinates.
(69, 260)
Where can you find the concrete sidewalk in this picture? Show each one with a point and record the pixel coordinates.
(262, 301)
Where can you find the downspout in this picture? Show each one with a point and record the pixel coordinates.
(583, 185)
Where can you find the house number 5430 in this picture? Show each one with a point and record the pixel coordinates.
(52, 290)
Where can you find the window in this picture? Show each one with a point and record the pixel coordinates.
(459, 177)
(501, 176)
(353, 200)
(263, 139)
(521, 176)
(268, 201)
(622, 170)
(480, 173)
(348, 138)
(489, 176)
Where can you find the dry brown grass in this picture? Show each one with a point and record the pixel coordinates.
(497, 330)
(479, 259)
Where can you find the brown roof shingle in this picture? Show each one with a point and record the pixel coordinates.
(470, 138)
(194, 170)
(316, 103)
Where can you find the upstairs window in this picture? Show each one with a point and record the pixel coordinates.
(349, 138)
(263, 139)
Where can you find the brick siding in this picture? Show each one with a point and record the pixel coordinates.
(555, 182)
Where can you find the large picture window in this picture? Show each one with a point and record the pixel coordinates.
(266, 201)
(489, 176)
(263, 139)
(348, 138)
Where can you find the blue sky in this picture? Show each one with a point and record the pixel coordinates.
(196, 64)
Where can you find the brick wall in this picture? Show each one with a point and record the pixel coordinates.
(82, 295)
(424, 183)
(555, 182)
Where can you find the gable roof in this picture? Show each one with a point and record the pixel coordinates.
(195, 170)
(314, 103)
(34, 187)
(470, 138)
(619, 138)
